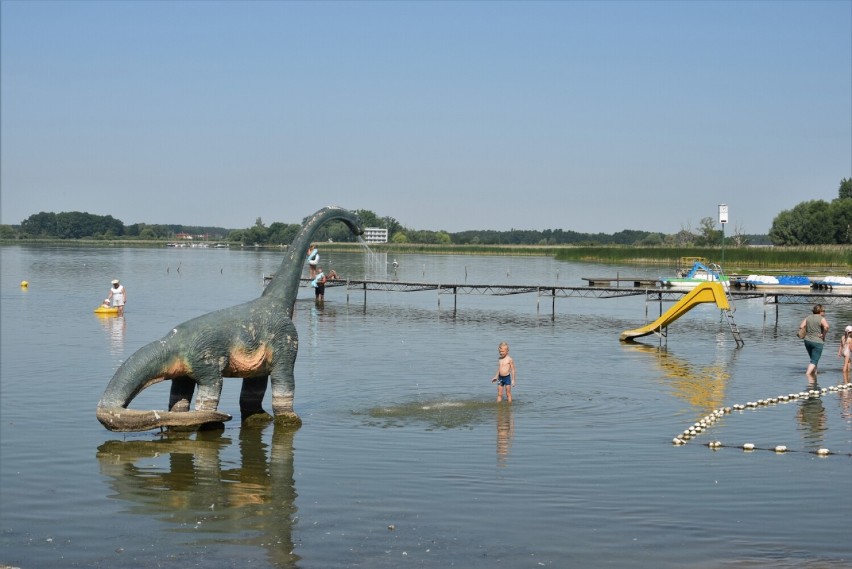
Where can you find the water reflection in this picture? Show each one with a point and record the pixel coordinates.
(505, 432)
(845, 405)
(701, 386)
(182, 479)
(811, 417)
(114, 326)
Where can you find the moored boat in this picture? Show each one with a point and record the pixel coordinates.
(698, 273)
(781, 282)
(832, 282)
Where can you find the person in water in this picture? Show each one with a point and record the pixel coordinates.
(845, 352)
(505, 376)
(313, 260)
(319, 284)
(815, 327)
(118, 296)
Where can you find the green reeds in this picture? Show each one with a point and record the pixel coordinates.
(733, 259)
(740, 259)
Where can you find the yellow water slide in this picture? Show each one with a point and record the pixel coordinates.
(704, 292)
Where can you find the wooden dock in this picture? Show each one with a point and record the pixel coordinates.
(637, 282)
(651, 293)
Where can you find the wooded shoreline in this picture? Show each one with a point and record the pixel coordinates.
(789, 260)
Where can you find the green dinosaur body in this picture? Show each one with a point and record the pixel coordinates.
(256, 341)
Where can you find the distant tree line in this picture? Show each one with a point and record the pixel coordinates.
(81, 225)
(815, 222)
(78, 225)
(71, 225)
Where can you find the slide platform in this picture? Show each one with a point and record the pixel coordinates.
(704, 292)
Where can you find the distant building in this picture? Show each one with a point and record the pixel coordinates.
(375, 235)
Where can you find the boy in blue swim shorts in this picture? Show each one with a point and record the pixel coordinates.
(505, 376)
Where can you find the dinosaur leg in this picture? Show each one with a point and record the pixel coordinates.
(208, 395)
(205, 415)
(283, 384)
(251, 400)
(181, 394)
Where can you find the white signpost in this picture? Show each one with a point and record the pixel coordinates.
(723, 219)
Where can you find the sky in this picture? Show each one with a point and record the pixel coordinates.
(590, 116)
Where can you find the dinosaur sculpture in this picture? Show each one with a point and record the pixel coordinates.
(255, 340)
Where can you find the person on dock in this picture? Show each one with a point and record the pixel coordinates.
(815, 328)
(505, 376)
(845, 351)
(313, 260)
(118, 296)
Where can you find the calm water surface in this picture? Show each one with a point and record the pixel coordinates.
(404, 459)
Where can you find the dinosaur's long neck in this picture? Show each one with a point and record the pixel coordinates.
(285, 282)
(150, 361)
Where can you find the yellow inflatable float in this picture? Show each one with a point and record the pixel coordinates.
(106, 310)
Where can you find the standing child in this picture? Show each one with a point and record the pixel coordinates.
(505, 376)
(319, 286)
(313, 260)
(845, 351)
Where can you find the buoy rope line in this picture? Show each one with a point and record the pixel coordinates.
(705, 423)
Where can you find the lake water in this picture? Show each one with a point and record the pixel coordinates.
(404, 458)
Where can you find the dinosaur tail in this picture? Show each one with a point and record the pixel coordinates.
(127, 420)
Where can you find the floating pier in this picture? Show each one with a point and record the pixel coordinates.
(651, 292)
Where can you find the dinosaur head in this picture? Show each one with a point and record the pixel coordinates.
(285, 282)
(352, 220)
(356, 226)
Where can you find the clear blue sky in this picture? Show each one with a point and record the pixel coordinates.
(585, 116)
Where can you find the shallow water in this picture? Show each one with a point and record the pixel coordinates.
(404, 457)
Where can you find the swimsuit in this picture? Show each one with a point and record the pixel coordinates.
(505, 380)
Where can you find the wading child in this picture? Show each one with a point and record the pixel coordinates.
(845, 351)
(505, 376)
(319, 284)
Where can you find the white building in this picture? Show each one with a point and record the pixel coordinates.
(375, 235)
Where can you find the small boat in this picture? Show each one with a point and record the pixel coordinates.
(106, 310)
(832, 282)
(781, 282)
(698, 273)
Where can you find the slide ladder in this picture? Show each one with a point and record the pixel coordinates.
(729, 314)
(735, 332)
(712, 291)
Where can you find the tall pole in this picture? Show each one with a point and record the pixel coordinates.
(723, 219)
